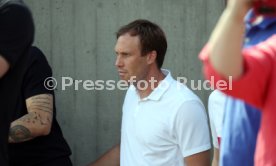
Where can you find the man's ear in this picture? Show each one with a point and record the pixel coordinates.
(151, 57)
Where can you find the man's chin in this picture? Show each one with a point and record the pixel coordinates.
(123, 78)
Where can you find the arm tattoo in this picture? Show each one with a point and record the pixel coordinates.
(35, 118)
(36, 122)
(20, 133)
(42, 103)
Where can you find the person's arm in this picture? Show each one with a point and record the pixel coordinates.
(199, 159)
(110, 158)
(223, 56)
(4, 66)
(226, 41)
(37, 122)
(215, 161)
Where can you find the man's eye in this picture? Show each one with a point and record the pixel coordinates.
(126, 55)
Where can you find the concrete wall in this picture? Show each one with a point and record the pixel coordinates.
(78, 38)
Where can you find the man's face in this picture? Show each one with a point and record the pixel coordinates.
(129, 60)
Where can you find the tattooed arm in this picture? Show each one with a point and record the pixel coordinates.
(36, 123)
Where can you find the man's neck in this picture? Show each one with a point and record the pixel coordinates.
(153, 80)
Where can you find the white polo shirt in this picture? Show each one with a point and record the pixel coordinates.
(216, 106)
(163, 128)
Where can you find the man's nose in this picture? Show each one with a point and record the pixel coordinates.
(118, 62)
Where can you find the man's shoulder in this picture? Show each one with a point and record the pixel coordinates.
(38, 58)
(181, 92)
(36, 52)
(217, 97)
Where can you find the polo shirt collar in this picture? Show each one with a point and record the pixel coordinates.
(263, 25)
(163, 86)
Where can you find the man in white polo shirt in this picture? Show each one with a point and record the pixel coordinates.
(164, 123)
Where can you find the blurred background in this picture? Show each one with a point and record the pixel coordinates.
(78, 38)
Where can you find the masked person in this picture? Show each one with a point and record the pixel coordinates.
(16, 37)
